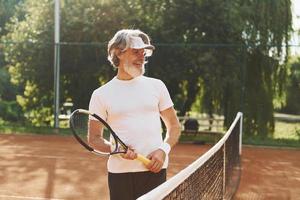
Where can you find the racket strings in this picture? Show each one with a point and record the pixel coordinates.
(118, 147)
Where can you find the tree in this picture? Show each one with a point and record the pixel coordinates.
(267, 28)
(83, 68)
(7, 9)
(207, 49)
(259, 29)
(292, 103)
(9, 109)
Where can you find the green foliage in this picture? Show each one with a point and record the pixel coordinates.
(217, 73)
(287, 130)
(266, 29)
(21, 129)
(202, 69)
(10, 111)
(7, 8)
(286, 134)
(292, 105)
(7, 90)
(28, 59)
(242, 73)
(297, 132)
(259, 141)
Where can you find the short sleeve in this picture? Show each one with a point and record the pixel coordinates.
(97, 106)
(165, 100)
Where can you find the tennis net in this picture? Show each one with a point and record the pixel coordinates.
(214, 175)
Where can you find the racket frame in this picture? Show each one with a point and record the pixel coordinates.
(118, 142)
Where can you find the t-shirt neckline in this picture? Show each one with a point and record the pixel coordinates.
(127, 81)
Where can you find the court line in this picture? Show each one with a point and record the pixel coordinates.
(26, 197)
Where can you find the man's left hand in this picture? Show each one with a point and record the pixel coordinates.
(157, 158)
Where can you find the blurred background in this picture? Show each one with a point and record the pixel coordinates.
(216, 57)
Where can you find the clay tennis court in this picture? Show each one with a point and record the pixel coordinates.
(56, 167)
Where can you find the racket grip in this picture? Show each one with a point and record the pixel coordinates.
(143, 159)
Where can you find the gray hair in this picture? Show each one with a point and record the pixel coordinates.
(121, 41)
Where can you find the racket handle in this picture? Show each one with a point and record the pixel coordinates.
(143, 159)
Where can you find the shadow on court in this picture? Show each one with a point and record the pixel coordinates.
(56, 167)
(37, 167)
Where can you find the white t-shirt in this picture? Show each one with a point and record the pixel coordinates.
(132, 109)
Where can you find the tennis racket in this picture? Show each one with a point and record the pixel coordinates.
(79, 123)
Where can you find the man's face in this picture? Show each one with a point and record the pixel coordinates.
(133, 61)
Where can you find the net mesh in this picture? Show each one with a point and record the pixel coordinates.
(210, 173)
(232, 162)
(215, 175)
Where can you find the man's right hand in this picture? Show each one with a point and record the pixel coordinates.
(130, 154)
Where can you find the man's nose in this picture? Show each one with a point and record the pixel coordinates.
(141, 54)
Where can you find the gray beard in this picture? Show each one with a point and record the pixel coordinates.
(133, 71)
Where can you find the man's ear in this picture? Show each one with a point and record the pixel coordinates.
(118, 53)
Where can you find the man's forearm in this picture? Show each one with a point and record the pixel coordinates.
(173, 126)
(99, 144)
(172, 135)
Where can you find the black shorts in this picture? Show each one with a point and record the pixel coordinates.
(130, 186)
